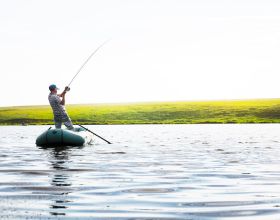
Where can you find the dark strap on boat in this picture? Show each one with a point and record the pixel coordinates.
(47, 141)
(62, 141)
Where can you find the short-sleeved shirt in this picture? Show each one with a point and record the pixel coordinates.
(58, 109)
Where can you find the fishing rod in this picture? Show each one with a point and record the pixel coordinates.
(91, 55)
(79, 70)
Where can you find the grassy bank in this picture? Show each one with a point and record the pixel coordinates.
(248, 111)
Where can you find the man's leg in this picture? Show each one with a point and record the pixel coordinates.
(68, 123)
(57, 124)
(57, 121)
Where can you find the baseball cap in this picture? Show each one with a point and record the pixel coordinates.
(52, 87)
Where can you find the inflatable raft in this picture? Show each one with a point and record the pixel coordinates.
(64, 137)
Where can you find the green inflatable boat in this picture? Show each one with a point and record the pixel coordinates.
(64, 137)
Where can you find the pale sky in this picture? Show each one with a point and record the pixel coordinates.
(160, 50)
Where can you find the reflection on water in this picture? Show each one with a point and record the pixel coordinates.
(150, 172)
(59, 158)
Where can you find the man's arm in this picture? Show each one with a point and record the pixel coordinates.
(63, 99)
(62, 95)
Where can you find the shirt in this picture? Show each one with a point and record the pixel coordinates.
(58, 109)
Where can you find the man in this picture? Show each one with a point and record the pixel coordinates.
(57, 102)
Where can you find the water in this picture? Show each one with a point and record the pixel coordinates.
(149, 172)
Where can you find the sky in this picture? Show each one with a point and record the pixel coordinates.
(159, 50)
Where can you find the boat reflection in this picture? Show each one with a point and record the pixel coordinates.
(59, 159)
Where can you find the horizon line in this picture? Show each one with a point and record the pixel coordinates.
(146, 102)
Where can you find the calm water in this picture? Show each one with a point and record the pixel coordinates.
(150, 172)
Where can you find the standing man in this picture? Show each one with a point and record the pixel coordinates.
(57, 102)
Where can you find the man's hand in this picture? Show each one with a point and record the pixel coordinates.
(64, 92)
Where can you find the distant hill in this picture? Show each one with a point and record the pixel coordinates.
(191, 112)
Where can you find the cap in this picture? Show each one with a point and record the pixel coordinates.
(52, 87)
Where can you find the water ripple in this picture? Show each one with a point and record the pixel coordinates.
(150, 172)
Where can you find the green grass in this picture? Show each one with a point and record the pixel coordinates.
(239, 111)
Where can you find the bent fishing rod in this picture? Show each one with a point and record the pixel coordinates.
(67, 88)
(79, 70)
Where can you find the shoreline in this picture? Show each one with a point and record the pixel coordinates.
(213, 123)
(190, 112)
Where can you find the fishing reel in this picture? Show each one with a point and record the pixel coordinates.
(67, 89)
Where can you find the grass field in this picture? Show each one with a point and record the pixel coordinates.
(239, 111)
